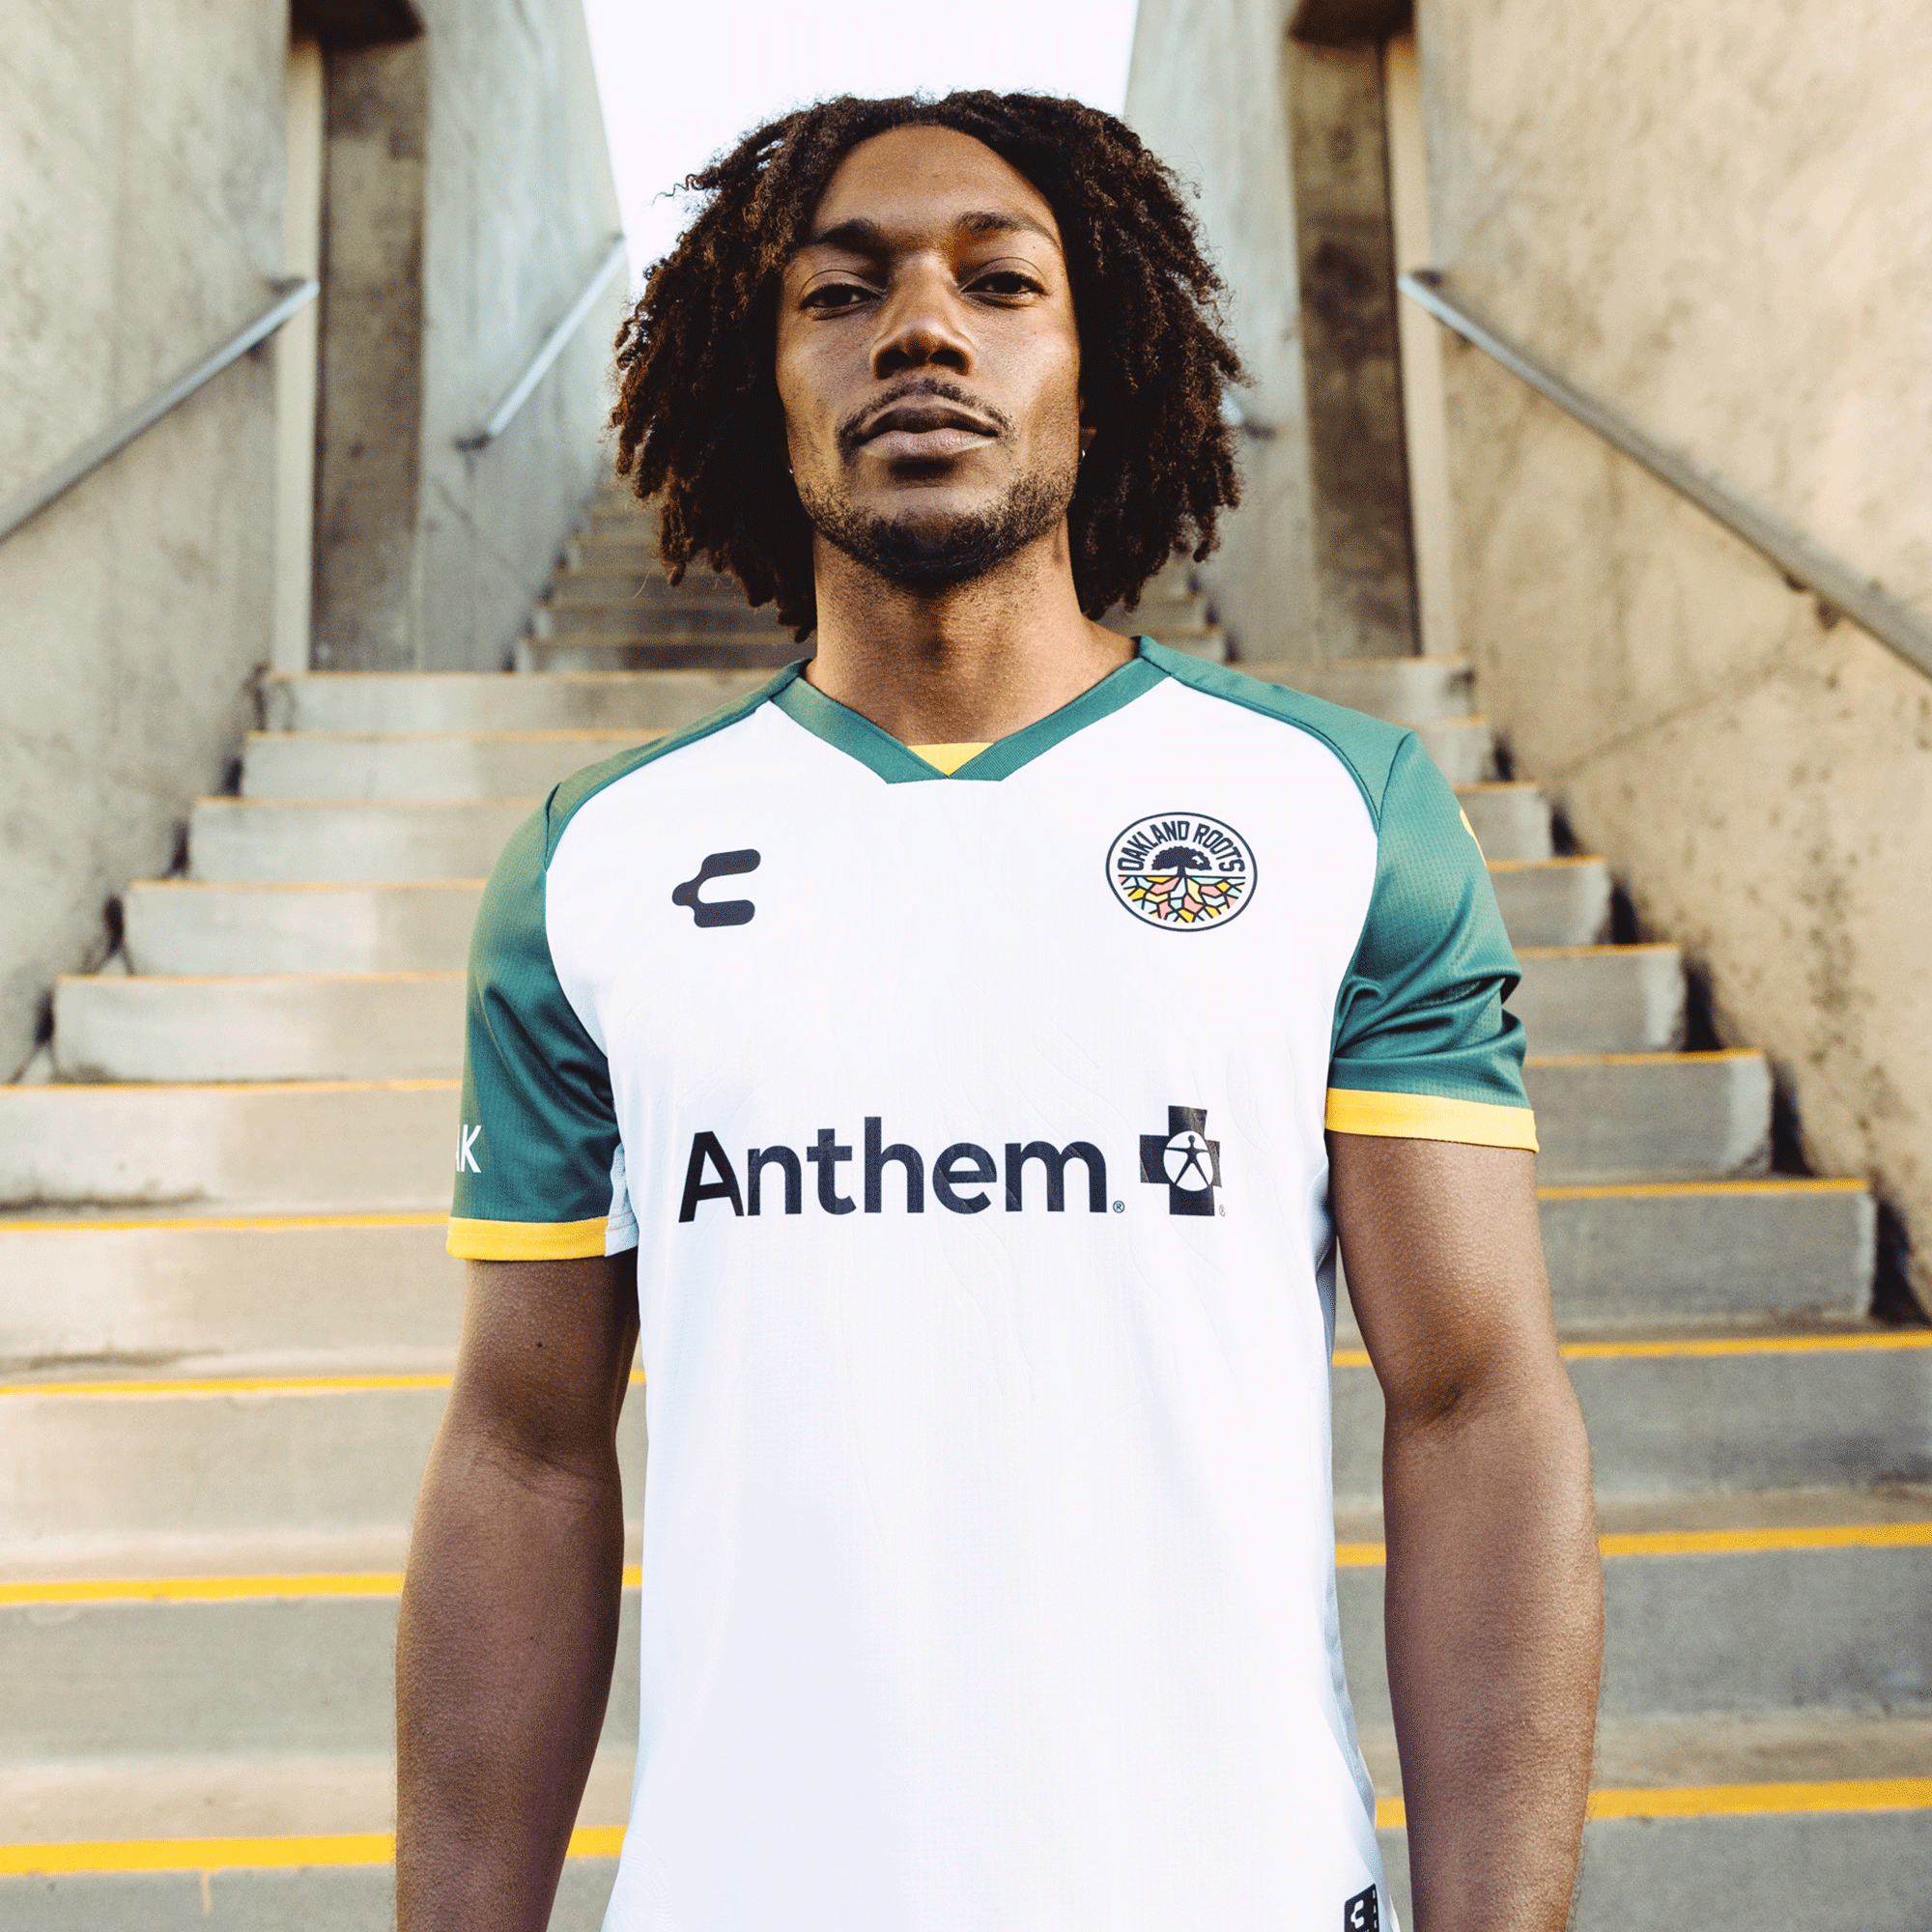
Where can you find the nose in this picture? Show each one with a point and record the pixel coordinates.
(920, 325)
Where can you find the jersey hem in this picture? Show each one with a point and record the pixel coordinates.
(1429, 1117)
(473, 1240)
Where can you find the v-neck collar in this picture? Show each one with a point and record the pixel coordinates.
(881, 754)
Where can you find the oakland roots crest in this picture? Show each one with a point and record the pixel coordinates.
(1181, 871)
(1184, 1161)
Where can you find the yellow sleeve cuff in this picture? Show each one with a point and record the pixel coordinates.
(1427, 1117)
(525, 1240)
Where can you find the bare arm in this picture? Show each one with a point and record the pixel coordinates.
(1494, 1605)
(509, 1613)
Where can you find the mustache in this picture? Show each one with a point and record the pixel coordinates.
(853, 431)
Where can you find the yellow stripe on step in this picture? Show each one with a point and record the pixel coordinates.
(220, 1385)
(1883, 1340)
(1721, 1801)
(203, 1589)
(606, 1841)
(232, 1386)
(198, 1855)
(232, 1224)
(228, 1589)
(1656, 1190)
(1714, 1542)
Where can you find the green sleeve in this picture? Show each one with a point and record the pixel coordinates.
(538, 1171)
(1423, 1048)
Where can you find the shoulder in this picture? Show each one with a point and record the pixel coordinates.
(577, 791)
(1367, 747)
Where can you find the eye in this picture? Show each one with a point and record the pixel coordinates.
(1005, 283)
(835, 297)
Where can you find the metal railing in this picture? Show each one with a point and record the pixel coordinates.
(290, 298)
(519, 392)
(1806, 564)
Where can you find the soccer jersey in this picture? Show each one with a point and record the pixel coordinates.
(970, 1131)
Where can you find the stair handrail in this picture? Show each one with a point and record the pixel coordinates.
(290, 297)
(551, 348)
(1806, 562)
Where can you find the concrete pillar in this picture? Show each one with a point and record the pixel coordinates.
(1359, 474)
(297, 349)
(369, 443)
(1424, 422)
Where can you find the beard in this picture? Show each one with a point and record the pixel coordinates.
(928, 558)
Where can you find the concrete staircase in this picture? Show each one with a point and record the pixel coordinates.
(227, 1322)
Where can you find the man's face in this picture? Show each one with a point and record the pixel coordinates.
(928, 362)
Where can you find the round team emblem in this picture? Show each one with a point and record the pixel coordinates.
(1181, 871)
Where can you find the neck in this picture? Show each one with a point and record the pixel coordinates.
(968, 664)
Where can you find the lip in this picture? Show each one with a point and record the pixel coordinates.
(927, 427)
(942, 439)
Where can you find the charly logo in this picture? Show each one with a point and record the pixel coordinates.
(718, 912)
(1181, 871)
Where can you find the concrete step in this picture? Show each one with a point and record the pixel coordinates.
(168, 1294)
(628, 577)
(1815, 1604)
(1600, 999)
(1650, 1116)
(301, 841)
(1739, 1823)
(181, 927)
(1510, 818)
(294, 1842)
(443, 764)
(599, 652)
(445, 701)
(246, 1474)
(1464, 750)
(380, 1025)
(1783, 1248)
(1701, 1412)
(109, 1476)
(1822, 1615)
(1552, 901)
(375, 1145)
(388, 1143)
(1403, 691)
(364, 1026)
(162, 1291)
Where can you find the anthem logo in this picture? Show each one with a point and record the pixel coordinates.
(1184, 1161)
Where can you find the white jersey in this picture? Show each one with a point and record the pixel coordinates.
(970, 1131)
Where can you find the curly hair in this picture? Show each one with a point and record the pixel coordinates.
(698, 416)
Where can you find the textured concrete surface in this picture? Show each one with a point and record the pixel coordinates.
(1713, 217)
(1205, 91)
(143, 150)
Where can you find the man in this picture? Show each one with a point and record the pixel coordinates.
(953, 1062)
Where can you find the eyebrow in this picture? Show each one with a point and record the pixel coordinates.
(864, 237)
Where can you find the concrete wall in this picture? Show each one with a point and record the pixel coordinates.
(469, 196)
(1205, 91)
(140, 147)
(1714, 218)
(142, 157)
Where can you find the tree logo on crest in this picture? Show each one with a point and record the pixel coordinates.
(1181, 871)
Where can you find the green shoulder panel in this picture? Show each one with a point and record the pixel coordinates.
(539, 1133)
(1366, 747)
(1419, 1017)
(1421, 1010)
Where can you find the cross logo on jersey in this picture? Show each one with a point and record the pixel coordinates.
(1184, 1161)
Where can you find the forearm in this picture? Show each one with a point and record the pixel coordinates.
(503, 1656)
(1495, 1630)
